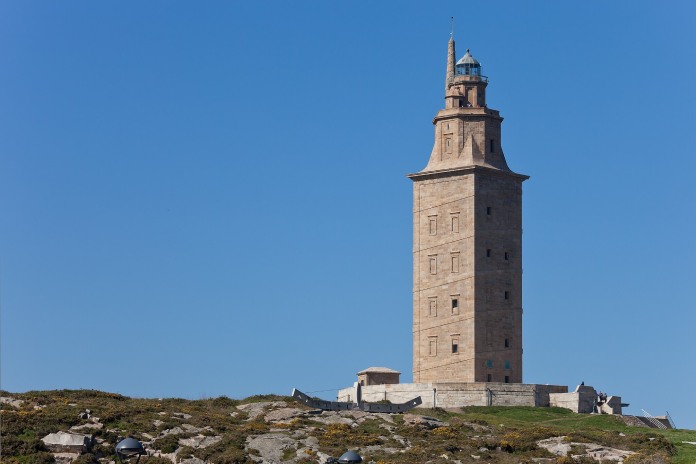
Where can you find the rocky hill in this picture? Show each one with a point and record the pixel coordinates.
(83, 426)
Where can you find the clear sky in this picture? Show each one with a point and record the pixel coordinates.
(209, 198)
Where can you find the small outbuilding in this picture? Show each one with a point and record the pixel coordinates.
(378, 376)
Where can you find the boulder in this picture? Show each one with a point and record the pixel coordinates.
(423, 421)
(270, 446)
(65, 458)
(174, 431)
(200, 441)
(192, 460)
(11, 401)
(86, 427)
(559, 447)
(63, 442)
(282, 414)
(254, 410)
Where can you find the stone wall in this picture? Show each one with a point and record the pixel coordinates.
(378, 378)
(456, 395)
(612, 405)
(582, 400)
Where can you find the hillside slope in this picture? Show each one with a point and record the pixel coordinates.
(275, 429)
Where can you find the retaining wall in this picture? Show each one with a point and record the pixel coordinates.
(456, 395)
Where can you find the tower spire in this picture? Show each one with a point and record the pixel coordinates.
(450, 58)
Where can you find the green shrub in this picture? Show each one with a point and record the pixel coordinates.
(86, 458)
(640, 458)
(41, 457)
(167, 444)
(155, 460)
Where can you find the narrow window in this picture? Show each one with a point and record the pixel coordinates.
(507, 379)
(455, 305)
(507, 343)
(507, 295)
(432, 305)
(455, 345)
(507, 364)
(507, 256)
(455, 262)
(433, 346)
(489, 364)
(432, 225)
(433, 264)
(489, 378)
(447, 126)
(488, 253)
(455, 223)
(489, 210)
(492, 146)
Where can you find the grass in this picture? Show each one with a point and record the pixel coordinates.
(604, 429)
(508, 434)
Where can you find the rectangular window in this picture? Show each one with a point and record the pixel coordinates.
(507, 379)
(432, 306)
(455, 223)
(507, 343)
(489, 378)
(488, 253)
(455, 262)
(455, 345)
(455, 304)
(432, 341)
(492, 146)
(507, 256)
(507, 295)
(507, 364)
(489, 210)
(433, 264)
(432, 225)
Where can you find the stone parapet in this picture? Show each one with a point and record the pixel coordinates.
(459, 394)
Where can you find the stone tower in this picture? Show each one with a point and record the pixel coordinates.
(467, 242)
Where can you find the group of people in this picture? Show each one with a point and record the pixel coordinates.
(601, 397)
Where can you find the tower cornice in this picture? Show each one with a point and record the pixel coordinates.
(425, 175)
(450, 113)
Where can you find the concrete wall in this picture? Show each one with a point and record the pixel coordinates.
(456, 395)
(378, 378)
(612, 406)
(582, 400)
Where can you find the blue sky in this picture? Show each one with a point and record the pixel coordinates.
(215, 192)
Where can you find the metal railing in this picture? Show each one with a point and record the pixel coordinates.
(652, 420)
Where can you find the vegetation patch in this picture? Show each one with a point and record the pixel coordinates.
(492, 435)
